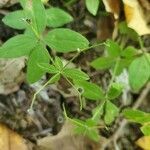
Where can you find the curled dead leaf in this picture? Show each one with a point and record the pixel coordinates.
(13, 67)
(135, 16)
(144, 142)
(10, 140)
(112, 6)
(67, 140)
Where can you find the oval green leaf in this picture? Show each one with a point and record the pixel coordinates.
(48, 68)
(90, 90)
(115, 90)
(66, 40)
(20, 45)
(111, 112)
(75, 74)
(57, 17)
(103, 63)
(136, 116)
(92, 6)
(113, 48)
(38, 55)
(15, 19)
(39, 15)
(139, 72)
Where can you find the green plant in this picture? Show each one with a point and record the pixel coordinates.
(34, 19)
(92, 6)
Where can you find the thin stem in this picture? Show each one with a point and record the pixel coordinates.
(113, 74)
(93, 46)
(36, 93)
(72, 120)
(97, 112)
(79, 94)
(33, 29)
(79, 51)
(71, 60)
(70, 2)
(65, 112)
(141, 44)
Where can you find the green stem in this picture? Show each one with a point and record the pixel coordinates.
(113, 74)
(34, 96)
(97, 112)
(71, 60)
(36, 93)
(65, 112)
(79, 51)
(93, 46)
(79, 94)
(33, 29)
(70, 2)
(72, 120)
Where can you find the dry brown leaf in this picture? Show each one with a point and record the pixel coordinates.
(66, 140)
(11, 74)
(112, 6)
(144, 142)
(10, 140)
(105, 27)
(135, 17)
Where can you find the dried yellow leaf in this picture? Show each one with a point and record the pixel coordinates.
(144, 142)
(112, 6)
(10, 140)
(135, 17)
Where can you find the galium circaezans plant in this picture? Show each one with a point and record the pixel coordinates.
(33, 43)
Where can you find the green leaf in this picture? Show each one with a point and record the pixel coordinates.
(114, 91)
(136, 116)
(90, 122)
(146, 130)
(38, 55)
(123, 63)
(75, 74)
(23, 3)
(48, 68)
(30, 32)
(113, 48)
(80, 126)
(98, 112)
(15, 19)
(92, 6)
(103, 62)
(93, 134)
(124, 29)
(111, 112)
(57, 17)
(139, 73)
(86, 128)
(90, 90)
(66, 40)
(129, 52)
(58, 63)
(54, 78)
(39, 15)
(20, 45)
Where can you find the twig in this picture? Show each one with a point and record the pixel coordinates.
(138, 102)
